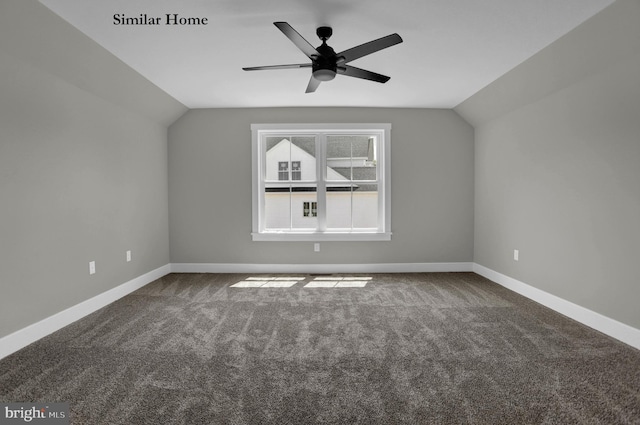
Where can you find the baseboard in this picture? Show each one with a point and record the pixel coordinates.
(320, 268)
(625, 333)
(20, 339)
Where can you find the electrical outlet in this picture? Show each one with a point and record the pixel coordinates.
(92, 267)
(516, 254)
(128, 256)
(316, 247)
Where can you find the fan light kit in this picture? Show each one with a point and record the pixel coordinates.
(325, 62)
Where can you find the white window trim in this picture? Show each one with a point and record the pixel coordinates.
(384, 183)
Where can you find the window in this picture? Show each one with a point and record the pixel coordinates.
(296, 172)
(283, 170)
(309, 209)
(338, 173)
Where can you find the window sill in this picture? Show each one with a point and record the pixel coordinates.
(320, 237)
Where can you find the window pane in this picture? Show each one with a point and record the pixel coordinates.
(303, 158)
(339, 157)
(351, 204)
(339, 208)
(352, 157)
(365, 207)
(278, 156)
(303, 199)
(277, 208)
(367, 168)
(364, 158)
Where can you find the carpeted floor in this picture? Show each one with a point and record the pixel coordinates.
(423, 348)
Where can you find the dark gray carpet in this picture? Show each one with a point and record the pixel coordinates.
(442, 348)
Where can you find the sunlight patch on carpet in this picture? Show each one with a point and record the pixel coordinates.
(317, 282)
(338, 282)
(267, 282)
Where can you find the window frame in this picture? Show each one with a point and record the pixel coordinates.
(258, 153)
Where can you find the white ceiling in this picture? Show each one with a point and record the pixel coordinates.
(451, 48)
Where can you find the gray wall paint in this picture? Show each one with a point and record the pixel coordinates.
(558, 176)
(210, 188)
(39, 37)
(82, 176)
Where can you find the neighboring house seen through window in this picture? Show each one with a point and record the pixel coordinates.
(337, 172)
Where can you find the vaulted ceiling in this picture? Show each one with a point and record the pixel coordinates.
(451, 48)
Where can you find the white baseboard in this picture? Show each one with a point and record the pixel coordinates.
(20, 339)
(597, 321)
(320, 268)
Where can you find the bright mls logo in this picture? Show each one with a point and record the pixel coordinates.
(36, 413)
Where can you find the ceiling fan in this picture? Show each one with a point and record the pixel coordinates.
(325, 62)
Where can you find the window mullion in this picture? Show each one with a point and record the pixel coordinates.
(321, 191)
(290, 138)
(351, 184)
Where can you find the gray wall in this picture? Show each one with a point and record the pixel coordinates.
(558, 167)
(83, 167)
(210, 188)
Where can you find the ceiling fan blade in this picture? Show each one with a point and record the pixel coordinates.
(313, 85)
(370, 47)
(294, 65)
(352, 71)
(297, 39)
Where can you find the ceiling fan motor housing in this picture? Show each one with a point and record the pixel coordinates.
(325, 65)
